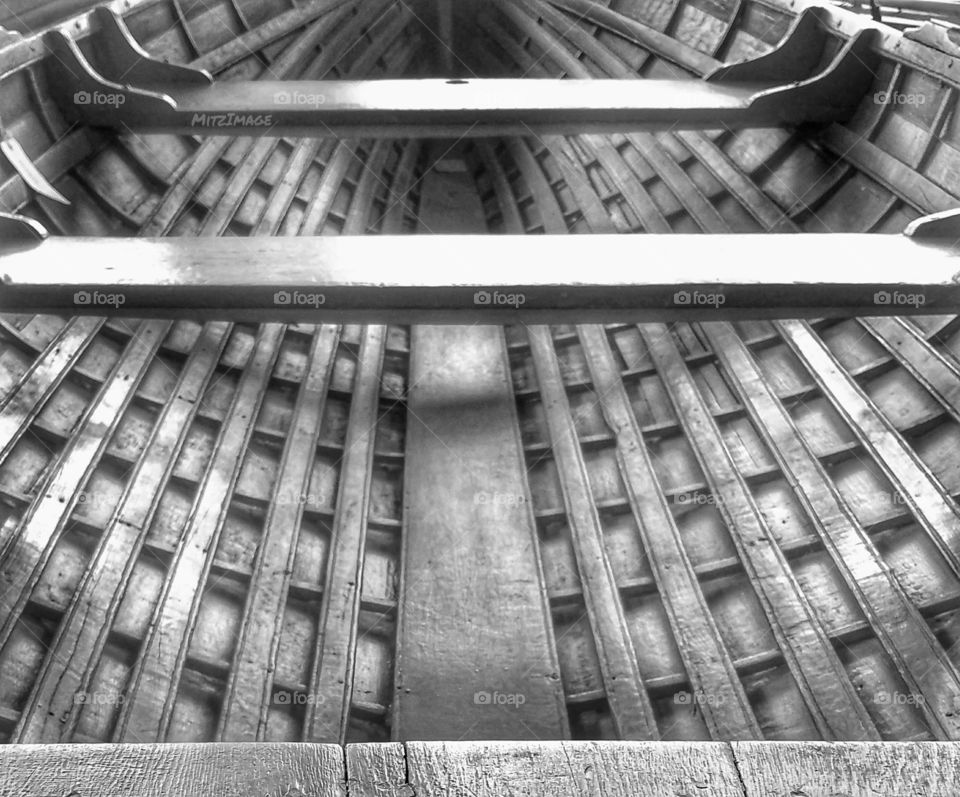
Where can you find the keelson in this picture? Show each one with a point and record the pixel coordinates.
(611, 433)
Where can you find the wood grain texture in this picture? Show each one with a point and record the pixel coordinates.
(851, 769)
(618, 769)
(173, 770)
(484, 769)
(492, 640)
(377, 770)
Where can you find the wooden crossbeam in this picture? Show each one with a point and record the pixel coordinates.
(124, 87)
(482, 278)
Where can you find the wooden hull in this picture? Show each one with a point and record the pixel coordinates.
(727, 531)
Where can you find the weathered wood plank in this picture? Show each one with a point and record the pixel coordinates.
(244, 713)
(27, 398)
(489, 655)
(44, 521)
(726, 708)
(332, 670)
(173, 770)
(52, 710)
(148, 708)
(377, 770)
(625, 690)
(615, 769)
(820, 676)
(918, 656)
(930, 503)
(818, 769)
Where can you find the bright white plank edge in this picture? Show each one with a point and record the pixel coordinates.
(479, 769)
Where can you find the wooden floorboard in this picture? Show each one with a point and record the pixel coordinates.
(489, 655)
(478, 769)
(172, 770)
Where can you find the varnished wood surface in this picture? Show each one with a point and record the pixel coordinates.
(491, 769)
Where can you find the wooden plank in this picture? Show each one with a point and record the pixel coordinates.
(919, 657)
(26, 400)
(377, 770)
(331, 676)
(625, 690)
(905, 181)
(940, 375)
(21, 562)
(726, 708)
(490, 654)
(433, 108)
(820, 676)
(852, 769)
(244, 714)
(933, 507)
(173, 770)
(52, 710)
(155, 679)
(407, 279)
(615, 769)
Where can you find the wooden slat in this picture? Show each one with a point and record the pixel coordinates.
(332, 670)
(647, 145)
(938, 373)
(173, 770)
(43, 523)
(917, 654)
(147, 710)
(831, 697)
(249, 687)
(625, 691)
(27, 398)
(52, 710)
(926, 497)
(707, 661)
